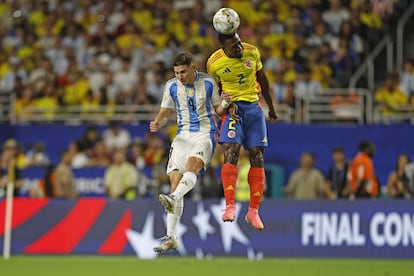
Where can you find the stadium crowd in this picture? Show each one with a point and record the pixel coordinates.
(90, 53)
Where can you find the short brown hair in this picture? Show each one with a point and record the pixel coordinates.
(185, 58)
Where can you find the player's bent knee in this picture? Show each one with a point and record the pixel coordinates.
(256, 158)
(194, 165)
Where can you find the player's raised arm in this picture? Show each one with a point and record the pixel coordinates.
(264, 84)
(160, 120)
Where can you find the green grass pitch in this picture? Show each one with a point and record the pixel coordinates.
(181, 266)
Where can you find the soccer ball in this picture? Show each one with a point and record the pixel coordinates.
(226, 21)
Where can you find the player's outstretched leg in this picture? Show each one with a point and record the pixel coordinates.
(168, 201)
(229, 174)
(167, 243)
(256, 182)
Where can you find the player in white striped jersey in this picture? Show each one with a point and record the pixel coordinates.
(195, 97)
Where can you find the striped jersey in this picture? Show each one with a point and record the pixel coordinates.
(194, 103)
(237, 76)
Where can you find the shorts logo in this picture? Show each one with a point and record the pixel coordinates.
(200, 153)
(248, 63)
(231, 134)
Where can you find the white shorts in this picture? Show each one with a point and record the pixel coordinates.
(185, 145)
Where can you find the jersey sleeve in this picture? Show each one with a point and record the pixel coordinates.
(213, 74)
(167, 100)
(211, 71)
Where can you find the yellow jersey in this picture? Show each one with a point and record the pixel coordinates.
(237, 76)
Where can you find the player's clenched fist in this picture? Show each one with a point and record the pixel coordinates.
(154, 126)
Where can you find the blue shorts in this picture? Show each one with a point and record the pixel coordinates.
(250, 131)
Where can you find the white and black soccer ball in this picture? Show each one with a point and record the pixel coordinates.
(226, 21)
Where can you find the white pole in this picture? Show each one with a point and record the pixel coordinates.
(9, 213)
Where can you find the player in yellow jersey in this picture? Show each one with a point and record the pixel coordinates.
(237, 68)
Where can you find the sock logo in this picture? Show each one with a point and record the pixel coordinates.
(230, 188)
(257, 194)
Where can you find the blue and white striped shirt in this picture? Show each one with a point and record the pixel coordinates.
(194, 103)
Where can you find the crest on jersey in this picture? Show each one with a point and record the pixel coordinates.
(248, 63)
(231, 134)
(190, 91)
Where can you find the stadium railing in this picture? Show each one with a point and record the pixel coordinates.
(79, 114)
(101, 114)
(336, 106)
(367, 67)
(404, 114)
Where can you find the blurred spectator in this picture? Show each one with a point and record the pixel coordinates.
(76, 86)
(355, 41)
(100, 156)
(397, 186)
(290, 98)
(23, 101)
(65, 180)
(390, 97)
(320, 70)
(90, 104)
(155, 82)
(109, 88)
(37, 156)
(136, 153)
(79, 159)
(383, 8)
(96, 74)
(115, 137)
(16, 72)
(343, 60)
(278, 87)
(121, 178)
(58, 181)
(336, 180)
(372, 21)
(301, 51)
(362, 180)
(409, 172)
(306, 87)
(46, 101)
(321, 36)
(154, 150)
(335, 15)
(8, 154)
(125, 79)
(306, 182)
(87, 141)
(407, 78)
